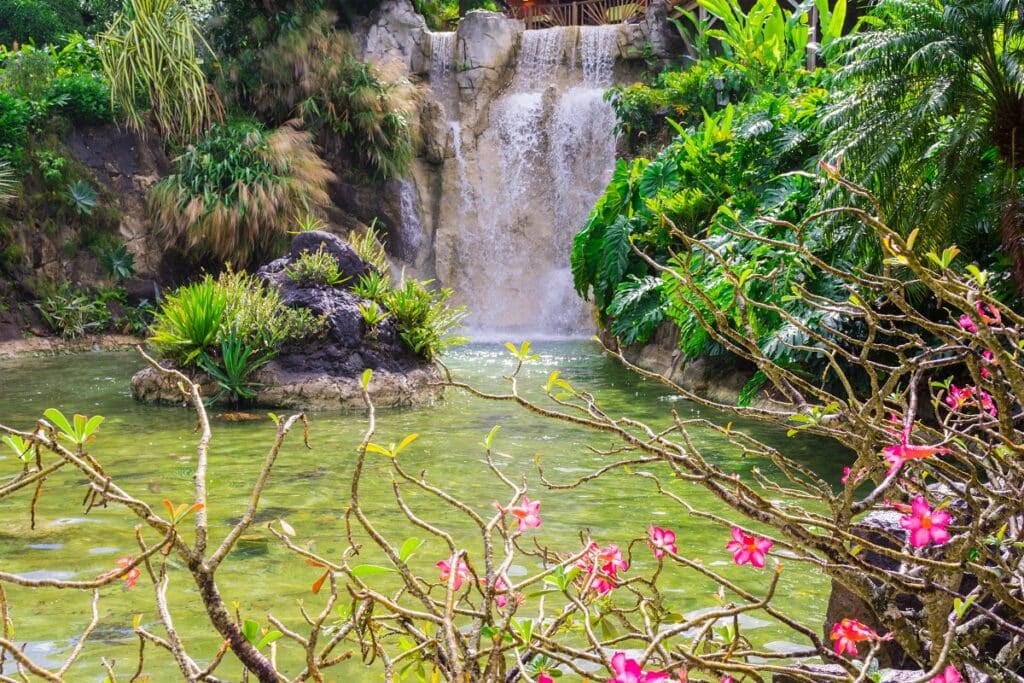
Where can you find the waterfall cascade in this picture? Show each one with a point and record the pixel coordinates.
(520, 181)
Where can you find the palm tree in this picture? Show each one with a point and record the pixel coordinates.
(930, 112)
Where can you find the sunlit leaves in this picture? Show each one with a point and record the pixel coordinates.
(22, 448)
(392, 450)
(79, 430)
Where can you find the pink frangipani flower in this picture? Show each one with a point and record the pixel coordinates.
(661, 540)
(748, 548)
(461, 571)
(968, 324)
(948, 675)
(528, 514)
(926, 525)
(628, 670)
(611, 561)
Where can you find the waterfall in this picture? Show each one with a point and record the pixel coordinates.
(522, 184)
(442, 54)
(411, 235)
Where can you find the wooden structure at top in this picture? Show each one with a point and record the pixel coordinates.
(575, 12)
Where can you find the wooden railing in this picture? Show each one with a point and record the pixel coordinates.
(577, 13)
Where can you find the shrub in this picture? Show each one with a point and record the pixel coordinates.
(316, 268)
(238, 190)
(37, 21)
(234, 368)
(311, 70)
(189, 321)
(425, 320)
(27, 73)
(72, 313)
(370, 248)
(15, 117)
(258, 314)
(83, 98)
(197, 318)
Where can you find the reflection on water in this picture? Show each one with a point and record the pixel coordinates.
(150, 451)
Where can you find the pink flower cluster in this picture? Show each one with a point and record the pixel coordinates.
(604, 565)
(988, 315)
(959, 398)
(748, 549)
(926, 525)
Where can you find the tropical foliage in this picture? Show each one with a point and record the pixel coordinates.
(928, 112)
(153, 49)
(238, 190)
(746, 149)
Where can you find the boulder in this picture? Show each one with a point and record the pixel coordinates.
(395, 32)
(323, 373)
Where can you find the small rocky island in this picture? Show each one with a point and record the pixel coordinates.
(322, 371)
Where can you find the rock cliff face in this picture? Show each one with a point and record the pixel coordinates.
(517, 144)
(324, 373)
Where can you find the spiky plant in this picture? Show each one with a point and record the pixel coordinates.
(8, 183)
(237, 191)
(931, 114)
(153, 48)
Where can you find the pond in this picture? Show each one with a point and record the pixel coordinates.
(150, 452)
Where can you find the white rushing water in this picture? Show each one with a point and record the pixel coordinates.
(411, 238)
(526, 184)
(442, 54)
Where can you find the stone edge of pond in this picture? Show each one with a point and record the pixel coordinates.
(34, 347)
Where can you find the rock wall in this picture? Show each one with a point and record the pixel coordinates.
(517, 144)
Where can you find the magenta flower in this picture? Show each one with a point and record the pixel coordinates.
(897, 454)
(985, 399)
(968, 324)
(988, 314)
(611, 561)
(748, 548)
(461, 572)
(848, 633)
(528, 514)
(628, 670)
(987, 358)
(661, 540)
(846, 475)
(925, 525)
(543, 677)
(948, 675)
(957, 398)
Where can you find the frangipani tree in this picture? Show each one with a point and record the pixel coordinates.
(927, 409)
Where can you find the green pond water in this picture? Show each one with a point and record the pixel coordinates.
(150, 452)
